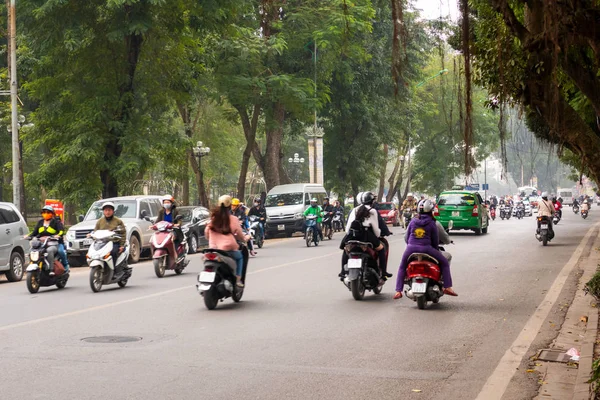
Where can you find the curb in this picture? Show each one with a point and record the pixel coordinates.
(583, 389)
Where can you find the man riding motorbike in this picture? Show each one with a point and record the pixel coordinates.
(423, 237)
(409, 204)
(258, 210)
(49, 226)
(369, 230)
(327, 211)
(338, 208)
(315, 209)
(110, 222)
(546, 209)
(223, 233)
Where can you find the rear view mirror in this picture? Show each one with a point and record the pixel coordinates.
(80, 218)
(144, 214)
(194, 220)
(178, 218)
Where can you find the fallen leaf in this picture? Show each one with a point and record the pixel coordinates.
(501, 299)
(538, 364)
(584, 318)
(531, 370)
(417, 390)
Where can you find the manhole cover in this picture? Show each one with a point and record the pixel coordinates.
(112, 339)
(554, 356)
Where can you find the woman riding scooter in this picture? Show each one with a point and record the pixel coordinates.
(423, 237)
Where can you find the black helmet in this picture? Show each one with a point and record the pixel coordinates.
(368, 198)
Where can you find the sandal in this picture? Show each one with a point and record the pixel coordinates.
(450, 292)
(398, 295)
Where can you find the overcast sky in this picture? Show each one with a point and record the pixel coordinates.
(432, 8)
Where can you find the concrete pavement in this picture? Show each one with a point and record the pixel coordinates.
(297, 334)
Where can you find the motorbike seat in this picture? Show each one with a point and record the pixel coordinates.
(422, 257)
(359, 243)
(225, 256)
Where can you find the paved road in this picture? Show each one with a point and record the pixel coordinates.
(297, 334)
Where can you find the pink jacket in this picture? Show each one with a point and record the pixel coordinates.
(225, 242)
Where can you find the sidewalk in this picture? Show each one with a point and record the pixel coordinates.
(569, 380)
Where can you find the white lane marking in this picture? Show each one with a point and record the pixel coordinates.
(497, 383)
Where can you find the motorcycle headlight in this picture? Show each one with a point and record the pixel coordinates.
(34, 256)
(70, 235)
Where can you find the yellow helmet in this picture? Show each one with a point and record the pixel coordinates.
(235, 202)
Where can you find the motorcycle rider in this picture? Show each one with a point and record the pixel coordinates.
(371, 223)
(49, 226)
(557, 207)
(110, 222)
(546, 209)
(223, 233)
(169, 213)
(315, 209)
(338, 208)
(240, 211)
(409, 204)
(327, 211)
(423, 237)
(258, 210)
(493, 202)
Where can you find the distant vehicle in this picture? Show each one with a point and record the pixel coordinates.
(12, 245)
(285, 205)
(533, 201)
(567, 196)
(465, 208)
(138, 214)
(195, 220)
(389, 213)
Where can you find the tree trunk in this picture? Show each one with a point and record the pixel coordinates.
(396, 184)
(273, 154)
(70, 217)
(202, 197)
(249, 126)
(383, 172)
(185, 189)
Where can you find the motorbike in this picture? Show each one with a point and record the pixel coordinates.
(311, 235)
(255, 231)
(102, 266)
(493, 213)
(520, 212)
(363, 271)
(556, 218)
(543, 233)
(39, 270)
(505, 212)
(164, 255)
(424, 277)
(337, 222)
(584, 214)
(408, 216)
(328, 226)
(218, 281)
(575, 209)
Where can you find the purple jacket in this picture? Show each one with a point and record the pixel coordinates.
(423, 231)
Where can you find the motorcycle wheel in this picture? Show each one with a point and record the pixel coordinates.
(421, 302)
(96, 277)
(179, 271)
(33, 284)
(61, 284)
(260, 242)
(210, 298)
(545, 240)
(330, 235)
(122, 283)
(308, 239)
(378, 289)
(159, 267)
(237, 294)
(358, 289)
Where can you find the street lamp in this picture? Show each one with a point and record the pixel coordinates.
(201, 151)
(295, 164)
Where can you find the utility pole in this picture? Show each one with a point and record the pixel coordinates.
(16, 151)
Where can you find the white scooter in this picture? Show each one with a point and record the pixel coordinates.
(102, 267)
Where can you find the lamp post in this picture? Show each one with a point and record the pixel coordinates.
(295, 165)
(201, 151)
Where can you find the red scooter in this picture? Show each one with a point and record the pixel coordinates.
(164, 256)
(493, 213)
(424, 277)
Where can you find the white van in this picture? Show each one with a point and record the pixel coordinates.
(566, 195)
(285, 205)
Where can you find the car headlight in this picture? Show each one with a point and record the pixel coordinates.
(298, 216)
(70, 235)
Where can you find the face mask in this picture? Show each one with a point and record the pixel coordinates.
(256, 204)
(47, 217)
(167, 206)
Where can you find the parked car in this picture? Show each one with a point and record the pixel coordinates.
(138, 214)
(285, 205)
(465, 208)
(389, 213)
(13, 248)
(195, 219)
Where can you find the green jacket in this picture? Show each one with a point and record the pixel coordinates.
(315, 211)
(112, 225)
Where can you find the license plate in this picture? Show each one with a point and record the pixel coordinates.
(419, 287)
(281, 227)
(354, 263)
(544, 226)
(456, 213)
(207, 277)
(87, 242)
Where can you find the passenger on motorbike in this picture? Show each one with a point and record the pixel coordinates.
(110, 222)
(62, 252)
(240, 211)
(423, 237)
(546, 209)
(48, 226)
(371, 223)
(223, 233)
(258, 210)
(315, 209)
(327, 211)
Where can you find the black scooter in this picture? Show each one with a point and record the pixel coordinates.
(39, 272)
(543, 233)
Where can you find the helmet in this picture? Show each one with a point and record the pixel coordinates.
(313, 200)
(368, 198)
(425, 206)
(326, 199)
(545, 195)
(108, 204)
(257, 200)
(359, 198)
(235, 202)
(48, 208)
(410, 195)
(168, 197)
(225, 201)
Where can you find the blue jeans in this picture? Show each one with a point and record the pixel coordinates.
(62, 253)
(239, 259)
(261, 227)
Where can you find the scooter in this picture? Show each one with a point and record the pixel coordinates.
(39, 270)
(363, 271)
(575, 209)
(102, 265)
(543, 232)
(327, 226)
(556, 218)
(218, 280)
(337, 222)
(258, 239)
(164, 256)
(493, 213)
(311, 235)
(584, 214)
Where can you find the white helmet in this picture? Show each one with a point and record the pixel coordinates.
(108, 204)
(544, 195)
(359, 197)
(425, 206)
(410, 195)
